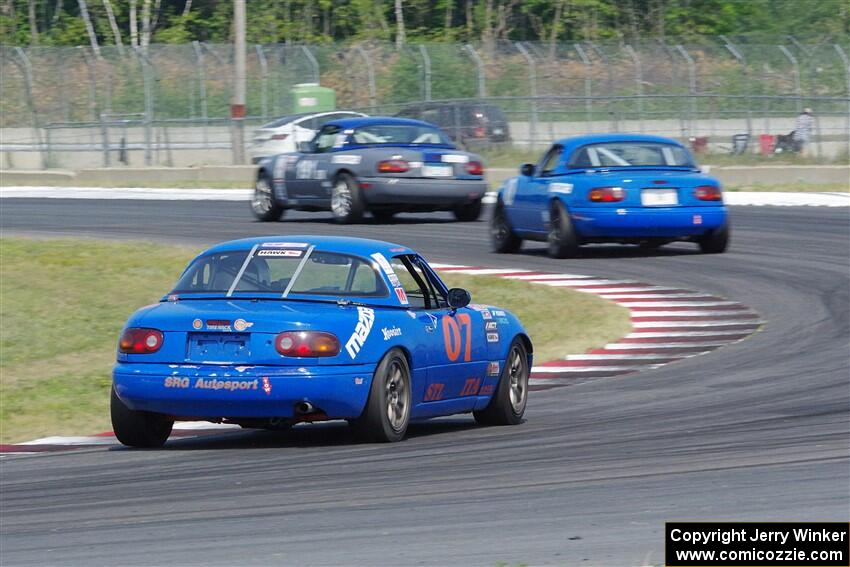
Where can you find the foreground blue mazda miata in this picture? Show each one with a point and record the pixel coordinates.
(268, 332)
(626, 188)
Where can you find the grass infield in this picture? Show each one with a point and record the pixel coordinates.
(63, 303)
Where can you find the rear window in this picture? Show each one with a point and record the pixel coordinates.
(376, 134)
(280, 269)
(630, 154)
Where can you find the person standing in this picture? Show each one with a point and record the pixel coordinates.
(803, 131)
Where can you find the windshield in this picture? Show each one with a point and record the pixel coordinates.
(400, 134)
(630, 154)
(282, 269)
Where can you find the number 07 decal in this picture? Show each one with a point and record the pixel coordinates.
(453, 339)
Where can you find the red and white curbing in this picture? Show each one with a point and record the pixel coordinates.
(668, 324)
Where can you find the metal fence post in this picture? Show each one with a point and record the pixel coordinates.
(264, 81)
(740, 58)
(426, 61)
(798, 87)
(479, 65)
(638, 82)
(612, 103)
(692, 87)
(26, 69)
(846, 62)
(104, 135)
(202, 87)
(145, 65)
(588, 88)
(370, 73)
(532, 82)
(314, 65)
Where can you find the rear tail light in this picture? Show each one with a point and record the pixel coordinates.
(607, 194)
(306, 343)
(708, 193)
(140, 341)
(475, 168)
(280, 136)
(393, 166)
(480, 132)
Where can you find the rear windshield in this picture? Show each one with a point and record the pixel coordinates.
(282, 270)
(630, 154)
(377, 134)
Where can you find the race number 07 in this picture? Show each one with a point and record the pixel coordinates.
(452, 335)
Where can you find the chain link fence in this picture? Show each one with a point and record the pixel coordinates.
(169, 104)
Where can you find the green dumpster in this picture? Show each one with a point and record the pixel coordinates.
(310, 97)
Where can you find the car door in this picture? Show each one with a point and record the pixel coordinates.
(532, 193)
(311, 169)
(456, 355)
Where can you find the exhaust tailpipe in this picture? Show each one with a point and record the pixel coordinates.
(304, 408)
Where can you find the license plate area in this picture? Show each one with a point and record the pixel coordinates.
(437, 170)
(659, 197)
(219, 347)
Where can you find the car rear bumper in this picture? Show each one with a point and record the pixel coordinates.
(212, 391)
(662, 222)
(417, 191)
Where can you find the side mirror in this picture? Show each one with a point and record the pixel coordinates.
(527, 169)
(305, 147)
(458, 297)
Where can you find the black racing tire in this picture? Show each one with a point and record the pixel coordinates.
(387, 413)
(384, 215)
(469, 212)
(507, 406)
(563, 242)
(263, 203)
(716, 241)
(138, 428)
(503, 239)
(346, 199)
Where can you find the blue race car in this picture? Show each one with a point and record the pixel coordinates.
(625, 188)
(382, 165)
(268, 332)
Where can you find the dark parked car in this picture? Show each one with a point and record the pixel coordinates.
(465, 122)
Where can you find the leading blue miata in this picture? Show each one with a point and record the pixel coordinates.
(626, 188)
(267, 332)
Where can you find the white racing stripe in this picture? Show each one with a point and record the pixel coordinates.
(651, 335)
(715, 323)
(580, 283)
(661, 356)
(645, 295)
(582, 369)
(486, 271)
(645, 289)
(674, 303)
(544, 277)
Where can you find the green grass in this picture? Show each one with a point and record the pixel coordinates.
(63, 303)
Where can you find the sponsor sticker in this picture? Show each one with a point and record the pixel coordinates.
(485, 314)
(492, 337)
(394, 280)
(197, 324)
(358, 381)
(697, 219)
(490, 325)
(487, 390)
(394, 250)
(382, 262)
(498, 312)
(565, 188)
(284, 245)
(493, 369)
(242, 324)
(365, 320)
(267, 385)
(227, 385)
(402, 297)
(285, 253)
(218, 324)
(176, 382)
(454, 158)
(347, 159)
(390, 332)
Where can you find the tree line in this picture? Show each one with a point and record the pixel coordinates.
(141, 22)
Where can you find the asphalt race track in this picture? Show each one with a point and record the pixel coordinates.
(758, 430)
